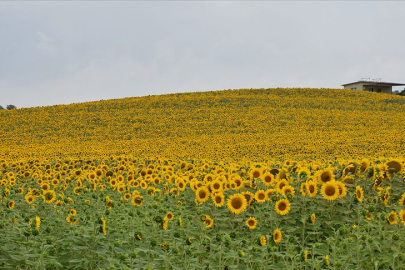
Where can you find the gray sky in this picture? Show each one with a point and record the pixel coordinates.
(65, 52)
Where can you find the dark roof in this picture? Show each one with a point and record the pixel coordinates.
(376, 83)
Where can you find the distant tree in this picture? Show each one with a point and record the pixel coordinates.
(1, 107)
(402, 93)
(10, 107)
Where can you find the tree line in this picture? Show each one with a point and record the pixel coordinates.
(8, 107)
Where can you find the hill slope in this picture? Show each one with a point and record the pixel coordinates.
(258, 124)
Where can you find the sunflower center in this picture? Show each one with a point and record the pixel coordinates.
(326, 177)
(218, 199)
(394, 166)
(261, 196)
(251, 222)
(282, 206)
(236, 203)
(311, 188)
(202, 194)
(330, 191)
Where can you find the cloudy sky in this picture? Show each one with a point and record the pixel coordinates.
(63, 52)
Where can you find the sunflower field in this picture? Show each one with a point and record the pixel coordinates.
(236, 179)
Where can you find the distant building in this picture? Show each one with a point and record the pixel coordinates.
(372, 86)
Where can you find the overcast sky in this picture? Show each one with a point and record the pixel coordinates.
(64, 52)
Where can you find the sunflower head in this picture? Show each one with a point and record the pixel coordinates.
(237, 203)
(394, 166)
(218, 199)
(251, 223)
(313, 218)
(359, 193)
(277, 236)
(202, 194)
(282, 207)
(330, 191)
(262, 240)
(260, 196)
(392, 218)
(402, 216)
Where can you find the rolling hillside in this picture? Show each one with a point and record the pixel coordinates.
(259, 124)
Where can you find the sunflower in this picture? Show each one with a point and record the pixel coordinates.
(136, 200)
(11, 204)
(72, 212)
(169, 216)
(55, 182)
(71, 220)
(342, 189)
(282, 207)
(287, 191)
(359, 193)
(277, 236)
(29, 198)
(324, 176)
(330, 191)
(394, 166)
(312, 188)
(402, 216)
(251, 223)
(208, 221)
(237, 203)
(216, 185)
(202, 194)
(350, 169)
(260, 196)
(306, 256)
(303, 188)
(268, 179)
(218, 199)
(303, 173)
(238, 183)
(347, 180)
(103, 226)
(262, 240)
(45, 186)
(127, 196)
(180, 184)
(327, 262)
(386, 197)
(256, 173)
(313, 218)
(270, 192)
(392, 218)
(174, 191)
(37, 222)
(76, 191)
(49, 196)
(58, 203)
(249, 196)
(165, 224)
(368, 216)
(280, 184)
(402, 200)
(364, 165)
